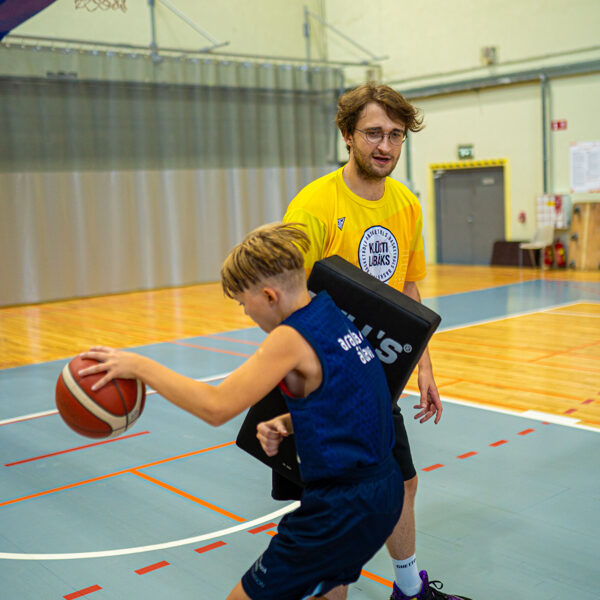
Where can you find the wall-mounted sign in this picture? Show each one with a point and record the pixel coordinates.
(465, 151)
(585, 167)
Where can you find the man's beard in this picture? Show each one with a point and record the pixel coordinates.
(366, 172)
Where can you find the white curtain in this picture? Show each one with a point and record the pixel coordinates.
(113, 183)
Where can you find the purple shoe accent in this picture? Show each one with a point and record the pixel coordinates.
(429, 591)
(398, 595)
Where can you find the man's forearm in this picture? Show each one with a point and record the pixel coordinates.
(412, 291)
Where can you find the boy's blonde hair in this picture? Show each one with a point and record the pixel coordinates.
(270, 251)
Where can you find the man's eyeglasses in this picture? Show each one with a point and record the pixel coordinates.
(375, 136)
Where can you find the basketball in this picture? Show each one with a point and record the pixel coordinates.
(107, 412)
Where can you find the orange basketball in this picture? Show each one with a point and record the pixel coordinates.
(107, 412)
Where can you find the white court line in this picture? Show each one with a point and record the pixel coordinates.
(46, 413)
(440, 330)
(513, 316)
(534, 415)
(567, 313)
(140, 549)
(528, 414)
(149, 391)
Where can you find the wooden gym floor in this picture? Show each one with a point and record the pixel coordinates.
(509, 490)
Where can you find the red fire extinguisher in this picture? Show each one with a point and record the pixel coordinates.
(559, 253)
(548, 256)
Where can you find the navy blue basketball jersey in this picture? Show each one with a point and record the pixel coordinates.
(347, 422)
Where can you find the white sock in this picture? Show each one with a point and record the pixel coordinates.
(406, 575)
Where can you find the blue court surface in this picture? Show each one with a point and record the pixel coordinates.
(507, 506)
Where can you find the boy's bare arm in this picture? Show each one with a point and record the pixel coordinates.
(280, 353)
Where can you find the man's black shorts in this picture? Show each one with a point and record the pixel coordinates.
(284, 489)
(401, 449)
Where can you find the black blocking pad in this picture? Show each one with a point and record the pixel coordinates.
(285, 462)
(398, 327)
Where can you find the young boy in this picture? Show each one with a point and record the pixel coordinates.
(340, 414)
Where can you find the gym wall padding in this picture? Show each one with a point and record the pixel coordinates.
(113, 185)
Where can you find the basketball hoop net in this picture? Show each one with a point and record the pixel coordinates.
(93, 5)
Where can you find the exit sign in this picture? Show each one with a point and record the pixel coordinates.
(465, 151)
(558, 124)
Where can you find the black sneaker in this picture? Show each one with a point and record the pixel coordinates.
(429, 591)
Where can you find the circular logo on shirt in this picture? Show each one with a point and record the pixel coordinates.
(378, 253)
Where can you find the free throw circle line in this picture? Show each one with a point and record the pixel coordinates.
(151, 548)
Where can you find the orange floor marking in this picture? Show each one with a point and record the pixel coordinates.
(376, 578)
(109, 475)
(187, 496)
(186, 455)
(62, 488)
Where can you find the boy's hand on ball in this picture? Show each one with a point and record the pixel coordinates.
(116, 363)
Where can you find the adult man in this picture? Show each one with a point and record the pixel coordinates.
(375, 222)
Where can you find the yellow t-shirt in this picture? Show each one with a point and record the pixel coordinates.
(383, 237)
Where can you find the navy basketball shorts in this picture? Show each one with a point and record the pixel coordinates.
(284, 489)
(325, 542)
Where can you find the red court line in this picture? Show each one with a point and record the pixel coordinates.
(149, 324)
(210, 547)
(118, 439)
(467, 455)
(526, 431)
(149, 568)
(566, 351)
(376, 578)
(212, 349)
(499, 443)
(262, 528)
(228, 339)
(432, 467)
(109, 475)
(533, 390)
(450, 382)
(89, 590)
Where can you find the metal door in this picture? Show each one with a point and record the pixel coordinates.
(469, 214)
